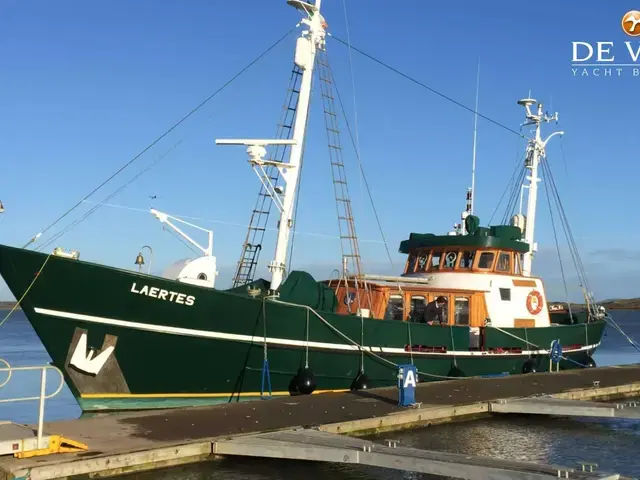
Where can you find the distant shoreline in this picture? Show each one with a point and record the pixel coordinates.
(8, 306)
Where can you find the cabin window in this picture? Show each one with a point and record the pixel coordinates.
(422, 260)
(504, 262)
(466, 260)
(395, 308)
(450, 260)
(435, 261)
(517, 269)
(461, 312)
(411, 262)
(418, 303)
(505, 294)
(486, 260)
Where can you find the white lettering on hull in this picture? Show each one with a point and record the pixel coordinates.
(162, 294)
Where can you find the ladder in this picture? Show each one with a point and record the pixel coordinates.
(351, 261)
(252, 246)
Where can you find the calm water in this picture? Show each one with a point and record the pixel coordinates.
(613, 444)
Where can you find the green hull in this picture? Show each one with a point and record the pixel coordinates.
(175, 344)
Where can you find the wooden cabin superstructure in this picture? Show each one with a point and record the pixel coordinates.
(479, 273)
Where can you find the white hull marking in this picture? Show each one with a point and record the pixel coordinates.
(84, 361)
(188, 332)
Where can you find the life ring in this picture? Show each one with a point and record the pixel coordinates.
(534, 302)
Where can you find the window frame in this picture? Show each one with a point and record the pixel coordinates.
(476, 262)
(509, 255)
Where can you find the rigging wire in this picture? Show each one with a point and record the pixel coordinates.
(506, 188)
(66, 229)
(222, 222)
(364, 177)
(432, 90)
(167, 132)
(567, 229)
(555, 236)
(353, 81)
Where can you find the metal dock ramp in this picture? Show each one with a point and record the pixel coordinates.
(314, 445)
(547, 405)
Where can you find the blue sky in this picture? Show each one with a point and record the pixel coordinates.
(87, 85)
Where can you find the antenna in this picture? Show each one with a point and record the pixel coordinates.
(475, 137)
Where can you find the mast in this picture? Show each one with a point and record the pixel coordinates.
(534, 154)
(307, 45)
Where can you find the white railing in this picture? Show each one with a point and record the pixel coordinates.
(43, 386)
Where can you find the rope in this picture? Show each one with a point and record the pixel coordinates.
(453, 346)
(410, 341)
(26, 291)
(306, 361)
(611, 322)
(527, 342)
(264, 327)
(368, 351)
(362, 343)
(432, 90)
(167, 132)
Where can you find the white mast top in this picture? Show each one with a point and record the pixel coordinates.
(475, 137)
(307, 44)
(535, 152)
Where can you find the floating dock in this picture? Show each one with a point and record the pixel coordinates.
(135, 441)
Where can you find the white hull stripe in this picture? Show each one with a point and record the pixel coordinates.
(188, 332)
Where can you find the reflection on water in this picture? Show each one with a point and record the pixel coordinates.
(613, 444)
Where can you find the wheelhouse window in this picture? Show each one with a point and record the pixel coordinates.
(466, 260)
(395, 308)
(435, 261)
(461, 311)
(517, 264)
(422, 260)
(411, 262)
(504, 262)
(418, 303)
(485, 261)
(450, 259)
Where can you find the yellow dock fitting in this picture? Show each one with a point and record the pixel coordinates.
(57, 444)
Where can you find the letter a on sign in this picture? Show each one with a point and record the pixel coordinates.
(410, 379)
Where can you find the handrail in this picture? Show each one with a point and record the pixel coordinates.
(42, 397)
(8, 376)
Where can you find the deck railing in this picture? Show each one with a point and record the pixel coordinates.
(43, 386)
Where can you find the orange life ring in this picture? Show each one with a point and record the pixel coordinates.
(534, 302)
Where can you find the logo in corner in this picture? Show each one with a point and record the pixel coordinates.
(631, 23)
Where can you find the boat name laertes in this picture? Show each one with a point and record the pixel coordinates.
(163, 294)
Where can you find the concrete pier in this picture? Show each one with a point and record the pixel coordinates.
(127, 442)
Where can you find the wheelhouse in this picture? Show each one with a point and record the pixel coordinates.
(479, 274)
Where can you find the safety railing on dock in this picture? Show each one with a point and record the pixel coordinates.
(43, 387)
